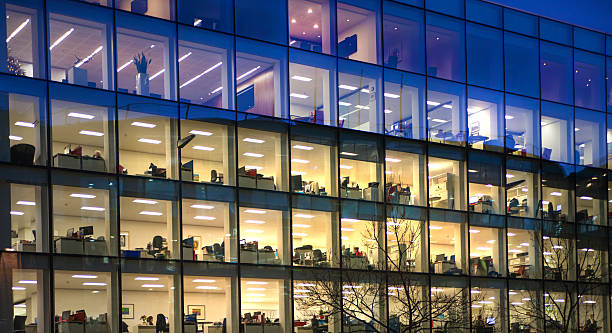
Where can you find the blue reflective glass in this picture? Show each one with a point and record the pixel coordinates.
(446, 116)
(609, 45)
(521, 65)
(484, 56)
(609, 83)
(404, 102)
(265, 20)
(450, 7)
(403, 29)
(589, 81)
(485, 121)
(520, 22)
(209, 14)
(484, 12)
(557, 128)
(445, 47)
(589, 40)
(522, 125)
(418, 3)
(555, 31)
(556, 72)
(590, 138)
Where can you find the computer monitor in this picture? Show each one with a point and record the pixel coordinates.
(69, 232)
(490, 320)
(86, 231)
(66, 315)
(296, 183)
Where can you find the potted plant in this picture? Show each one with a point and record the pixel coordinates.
(142, 78)
(77, 75)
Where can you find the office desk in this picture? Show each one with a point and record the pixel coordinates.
(25, 247)
(189, 328)
(67, 245)
(97, 327)
(95, 247)
(214, 329)
(31, 328)
(267, 328)
(70, 327)
(144, 329)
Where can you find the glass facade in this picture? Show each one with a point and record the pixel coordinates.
(336, 166)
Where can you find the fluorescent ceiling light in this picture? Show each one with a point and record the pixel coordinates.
(347, 87)
(511, 234)
(555, 194)
(95, 209)
(586, 198)
(141, 124)
(348, 153)
(184, 57)
(157, 74)
(82, 62)
(509, 117)
(441, 121)
(303, 147)
(388, 111)
(97, 284)
(432, 103)
(255, 231)
(297, 225)
(254, 222)
(24, 124)
(15, 138)
(300, 161)
(253, 140)
(152, 141)
(202, 206)
(299, 234)
(247, 73)
(145, 201)
(474, 231)
(197, 22)
(363, 107)
(201, 74)
(125, 65)
(390, 95)
(204, 281)
(19, 288)
(347, 229)
(254, 211)
(344, 104)
(302, 96)
(205, 148)
(301, 78)
(297, 173)
(203, 217)
(447, 106)
(146, 278)
(81, 195)
(91, 133)
(15, 212)
(216, 90)
(435, 227)
(304, 216)
(257, 282)
(28, 282)
(84, 276)
(256, 167)
(61, 39)
(364, 90)
(152, 285)
(253, 154)
(26, 203)
(146, 212)
(81, 115)
(346, 167)
(392, 160)
(207, 287)
(18, 30)
(196, 132)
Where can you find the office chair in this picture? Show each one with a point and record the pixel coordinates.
(19, 324)
(160, 324)
(156, 245)
(22, 154)
(216, 177)
(218, 251)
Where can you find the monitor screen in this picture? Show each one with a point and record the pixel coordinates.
(490, 320)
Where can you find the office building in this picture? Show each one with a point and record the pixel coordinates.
(211, 165)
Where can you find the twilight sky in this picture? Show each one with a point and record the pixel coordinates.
(593, 14)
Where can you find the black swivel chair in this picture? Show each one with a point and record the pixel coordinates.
(22, 154)
(157, 245)
(160, 324)
(19, 324)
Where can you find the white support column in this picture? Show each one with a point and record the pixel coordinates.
(42, 221)
(170, 77)
(230, 230)
(175, 312)
(107, 56)
(285, 305)
(227, 81)
(112, 303)
(232, 306)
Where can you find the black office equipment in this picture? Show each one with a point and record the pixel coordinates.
(348, 46)
(296, 183)
(216, 177)
(160, 324)
(86, 231)
(19, 324)
(22, 154)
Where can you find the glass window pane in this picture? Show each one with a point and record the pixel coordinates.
(208, 231)
(557, 134)
(404, 105)
(450, 306)
(525, 298)
(589, 135)
(524, 243)
(311, 88)
(484, 12)
(593, 304)
(522, 126)
(262, 158)
(561, 310)
(205, 68)
(27, 286)
(448, 245)
(82, 129)
(555, 31)
(362, 239)
(359, 100)
(589, 80)
(213, 296)
(209, 156)
(522, 188)
(86, 35)
(148, 137)
(559, 252)
(557, 192)
(406, 240)
(521, 65)
(445, 47)
(591, 189)
(23, 131)
(451, 7)
(446, 115)
(405, 174)
(360, 167)
(156, 294)
(262, 20)
(145, 57)
(358, 32)
(589, 40)
(403, 28)
(312, 233)
(209, 14)
(261, 78)
(488, 304)
(270, 298)
(313, 161)
(23, 46)
(520, 22)
(263, 236)
(447, 180)
(310, 25)
(487, 251)
(556, 72)
(484, 55)
(485, 119)
(486, 194)
(158, 8)
(609, 83)
(27, 216)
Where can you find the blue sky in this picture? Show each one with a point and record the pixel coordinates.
(593, 14)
